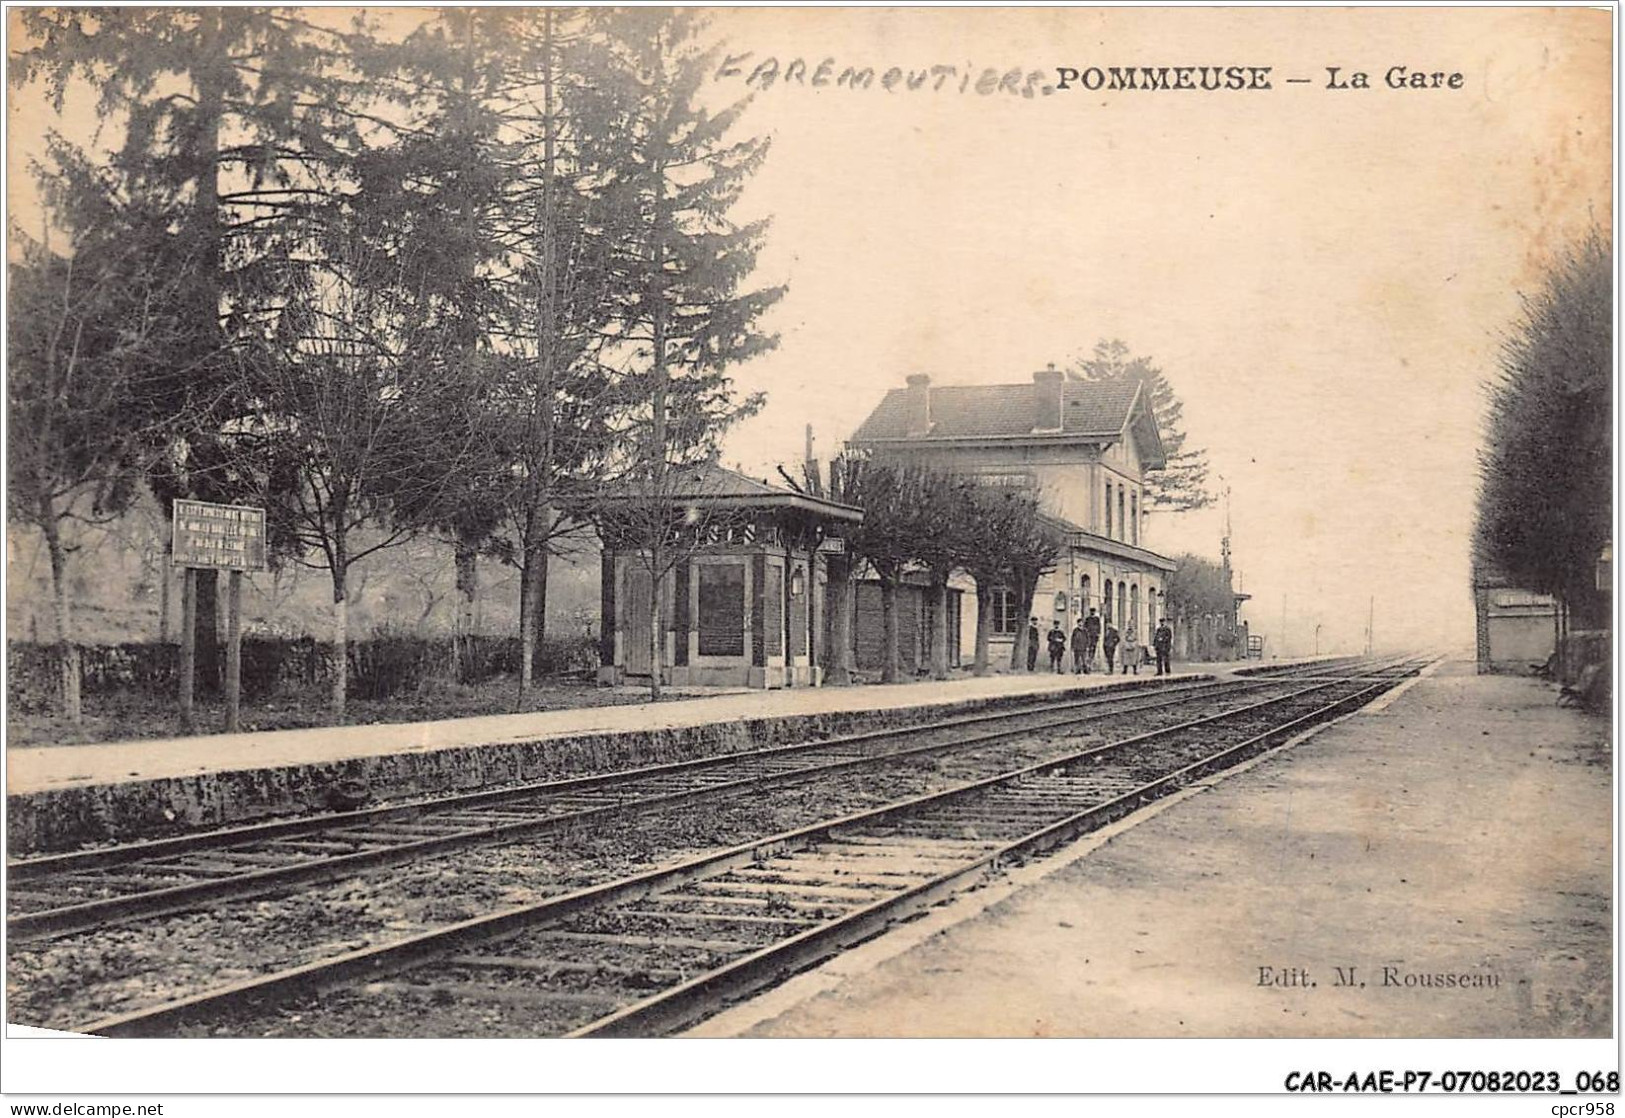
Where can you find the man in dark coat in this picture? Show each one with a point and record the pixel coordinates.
(1163, 642)
(1080, 644)
(1108, 645)
(1091, 640)
(1032, 644)
(1057, 645)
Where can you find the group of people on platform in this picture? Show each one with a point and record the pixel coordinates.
(1090, 634)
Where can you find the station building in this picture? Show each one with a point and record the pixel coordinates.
(1083, 448)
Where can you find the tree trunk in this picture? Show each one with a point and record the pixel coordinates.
(1018, 647)
(656, 660)
(888, 612)
(341, 642)
(539, 618)
(67, 652)
(527, 619)
(984, 625)
(166, 575)
(466, 559)
(209, 115)
(840, 633)
(1025, 588)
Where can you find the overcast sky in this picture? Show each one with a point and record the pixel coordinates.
(1324, 275)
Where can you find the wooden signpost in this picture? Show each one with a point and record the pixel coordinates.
(218, 538)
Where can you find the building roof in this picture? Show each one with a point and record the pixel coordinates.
(1090, 410)
(1081, 539)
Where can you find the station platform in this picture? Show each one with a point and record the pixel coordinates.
(59, 797)
(1448, 847)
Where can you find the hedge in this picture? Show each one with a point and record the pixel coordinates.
(381, 666)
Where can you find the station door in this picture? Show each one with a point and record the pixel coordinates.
(638, 607)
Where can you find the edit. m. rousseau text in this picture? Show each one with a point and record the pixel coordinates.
(1384, 977)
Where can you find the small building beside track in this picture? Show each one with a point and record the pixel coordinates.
(1516, 628)
(742, 597)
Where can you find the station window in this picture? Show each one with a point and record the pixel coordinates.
(1122, 520)
(1083, 587)
(1108, 510)
(1106, 603)
(1006, 617)
(1134, 516)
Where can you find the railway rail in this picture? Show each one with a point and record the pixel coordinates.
(62, 894)
(654, 951)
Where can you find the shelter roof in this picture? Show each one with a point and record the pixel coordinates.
(712, 485)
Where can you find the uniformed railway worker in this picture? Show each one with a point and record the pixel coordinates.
(1057, 645)
(1163, 642)
(1091, 637)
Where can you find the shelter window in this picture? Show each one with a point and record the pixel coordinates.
(722, 609)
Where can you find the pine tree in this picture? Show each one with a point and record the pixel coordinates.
(1182, 484)
(234, 122)
(506, 161)
(679, 264)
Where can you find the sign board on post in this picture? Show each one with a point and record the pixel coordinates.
(219, 537)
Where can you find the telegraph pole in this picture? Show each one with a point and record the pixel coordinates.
(1370, 622)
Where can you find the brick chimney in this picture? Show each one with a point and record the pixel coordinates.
(919, 404)
(1047, 399)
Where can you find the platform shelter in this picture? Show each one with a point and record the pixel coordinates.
(742, 602)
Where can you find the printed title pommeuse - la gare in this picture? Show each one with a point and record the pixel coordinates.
(1021, 81)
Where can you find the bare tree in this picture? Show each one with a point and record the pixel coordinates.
(659, 520)
(998, 527)
(901, 519)
(85, 339)
(840, 566)
(1035, 547)
(346, 430)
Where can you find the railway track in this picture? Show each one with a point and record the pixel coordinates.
(62, 894)
(654, 951)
